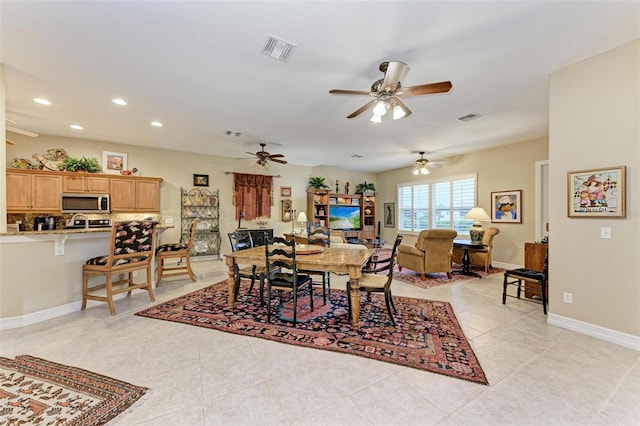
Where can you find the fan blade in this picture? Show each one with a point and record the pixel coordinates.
(348, 92)
(436, 164)
(393, 75)
(362, 109)
(425, 89)
(407, 111)
(251, 153)
(275, 160)
(276, 155)
(8, 142)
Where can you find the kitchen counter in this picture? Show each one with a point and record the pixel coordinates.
(67, 231)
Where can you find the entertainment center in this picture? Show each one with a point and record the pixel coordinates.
(354, 214)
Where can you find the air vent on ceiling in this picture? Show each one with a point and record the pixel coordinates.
(278, 49)
(232, 133)
(469, 117)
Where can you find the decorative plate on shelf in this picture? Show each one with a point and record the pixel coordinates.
(22, 163)
(201, 246)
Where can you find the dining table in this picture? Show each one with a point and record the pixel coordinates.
(330, 259)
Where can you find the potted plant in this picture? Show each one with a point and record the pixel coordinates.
(317, 183)
(365, 187)
(83, 164)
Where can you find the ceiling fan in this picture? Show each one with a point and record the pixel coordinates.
(388, 90)
(12, 129)
(423, 165)
(263, 156)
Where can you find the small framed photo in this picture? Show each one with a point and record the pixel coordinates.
(200, 180)
(333, 200)
(506, 206)
(389, 215)
(597, 192)
(355, 201)
(285, 191)
(114, 162)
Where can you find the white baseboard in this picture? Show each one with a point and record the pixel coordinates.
(623, 339)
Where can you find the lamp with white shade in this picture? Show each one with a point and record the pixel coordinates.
(478, 214)
(302, 220)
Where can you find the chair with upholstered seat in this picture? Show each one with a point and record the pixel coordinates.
(283, 275)
(242, 240)
(479, 257)
(131, 249)
(178, 251)
(528, 275)
(374, 282)
(432, 252)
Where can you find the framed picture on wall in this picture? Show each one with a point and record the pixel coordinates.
(506, 206)
(285, 191)
(389, 215)
(597, 192)
(114, 162)
(200, 180)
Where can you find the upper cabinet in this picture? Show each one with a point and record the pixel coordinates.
(85, 183)
(135, 194)
(40, 191)
(29, 191)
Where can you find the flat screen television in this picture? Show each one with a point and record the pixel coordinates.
(344, 217)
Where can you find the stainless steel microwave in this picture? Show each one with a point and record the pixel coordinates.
(85, 203)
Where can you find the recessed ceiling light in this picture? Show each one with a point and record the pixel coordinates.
(42, 101)
(119, 101)
(77, 127)
(156, 123)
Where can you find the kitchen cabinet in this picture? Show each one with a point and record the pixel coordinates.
(79, 182)
(33, 191)
(135, 194)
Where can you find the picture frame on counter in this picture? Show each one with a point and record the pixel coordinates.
(114, 162)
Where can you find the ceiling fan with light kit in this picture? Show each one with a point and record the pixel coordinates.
(264, 157)
(388, 90)
(423, 165)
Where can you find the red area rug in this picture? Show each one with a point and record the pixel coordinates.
(39, 392)
(427, 337)
(437, 279)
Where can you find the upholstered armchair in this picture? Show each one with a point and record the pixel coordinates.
(479, 257)
(432, 252)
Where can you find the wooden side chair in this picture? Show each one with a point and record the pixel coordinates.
(282, 273)
(320, 237)
(242, 240)
(519, 275)
(180, 251)
(373, 282)
(131, 249)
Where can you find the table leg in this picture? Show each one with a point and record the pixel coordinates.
(355, 299)
(466, 265)
(231, 280)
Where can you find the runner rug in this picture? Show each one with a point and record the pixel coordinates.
(39, 392)
(427, 336)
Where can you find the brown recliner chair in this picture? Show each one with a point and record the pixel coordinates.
(479, 257)
(432, 252)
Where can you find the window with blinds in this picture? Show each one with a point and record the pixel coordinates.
(438, 204)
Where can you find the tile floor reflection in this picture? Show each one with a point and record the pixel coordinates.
(538, 374)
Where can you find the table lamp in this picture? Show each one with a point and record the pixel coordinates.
(476, 232)
(302, 219)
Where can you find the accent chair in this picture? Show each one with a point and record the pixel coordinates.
(432, 252)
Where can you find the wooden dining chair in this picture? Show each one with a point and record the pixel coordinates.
(374, 282)
(532, 276)
(320, 237)
(283, 275)
(242, 240)
(130, 249)
(180, 251)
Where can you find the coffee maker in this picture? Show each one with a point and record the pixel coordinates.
(44, 223)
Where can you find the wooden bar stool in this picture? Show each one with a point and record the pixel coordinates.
(176, 250)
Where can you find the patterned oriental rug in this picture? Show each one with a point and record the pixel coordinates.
(39, 392)
(427, 337)
(435, 280)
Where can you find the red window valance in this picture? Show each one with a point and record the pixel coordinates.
(253, 195)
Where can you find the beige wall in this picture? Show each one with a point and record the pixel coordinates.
(595, 110)
(509, 167)
(25, 290)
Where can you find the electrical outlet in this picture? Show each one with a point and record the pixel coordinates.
(568, 297)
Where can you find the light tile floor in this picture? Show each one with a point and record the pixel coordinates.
(538, 374)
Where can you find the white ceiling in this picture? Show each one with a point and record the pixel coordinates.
(197, 67)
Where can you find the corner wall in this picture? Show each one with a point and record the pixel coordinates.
(594, 123)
